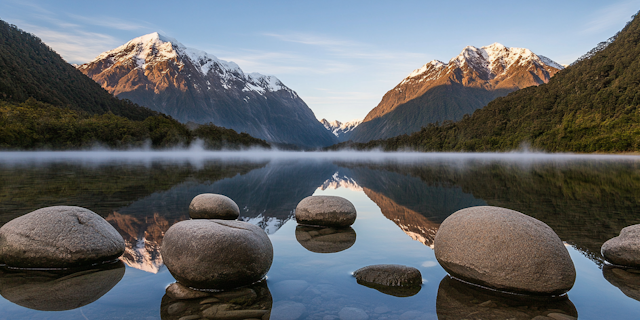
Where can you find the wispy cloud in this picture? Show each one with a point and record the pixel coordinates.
(611, 16)
(111, 22)
(69, 34)
(344, 48)
(74, 45)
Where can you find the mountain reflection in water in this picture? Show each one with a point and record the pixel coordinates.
(586, 203)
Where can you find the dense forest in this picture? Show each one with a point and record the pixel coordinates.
(36, 125)
(45, 103)
(591, 106)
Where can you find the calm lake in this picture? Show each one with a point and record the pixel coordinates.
(401, 199)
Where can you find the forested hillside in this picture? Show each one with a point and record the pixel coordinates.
(45, 103)
(591, 106)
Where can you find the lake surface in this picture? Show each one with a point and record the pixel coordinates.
(401, 200)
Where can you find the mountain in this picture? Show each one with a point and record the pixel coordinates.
(339, 129)
(591, 106)
(191, 85)
(441, 91)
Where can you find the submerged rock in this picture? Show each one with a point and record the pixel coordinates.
(328, 211)
(252, 302)
(504, 249)
(59, 237)
(624, 250)
(392, 279)
(213, 206)
(216, 254)
(325, 240)
(458, 300)
(287, 310)
(59, 290)
(627, 280)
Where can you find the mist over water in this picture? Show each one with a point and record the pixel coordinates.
(196, 155)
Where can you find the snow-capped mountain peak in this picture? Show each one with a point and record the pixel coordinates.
(339, 128)
(489, 62)
(153, 48)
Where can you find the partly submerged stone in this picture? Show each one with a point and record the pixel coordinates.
(213, 206)
(624, 250)
(59, 237)
(392, 279)
(325, 240)
(458, 300)
(252, 302)
(505, 250)
(328, 211)
(216, 254)
(59, 290)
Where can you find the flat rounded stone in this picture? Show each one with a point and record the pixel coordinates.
(213, 206)
(59, 237)
(389, 275)
(325, 240)
(391, 279)
(329, 211)
(216, 254)
(505, 250)
(287, 310)
(624, 250)
(59, 290)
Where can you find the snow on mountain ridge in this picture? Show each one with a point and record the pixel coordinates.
(491, 60)
(153, 48)
(338, 128)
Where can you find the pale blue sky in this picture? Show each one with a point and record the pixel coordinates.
(340, 56)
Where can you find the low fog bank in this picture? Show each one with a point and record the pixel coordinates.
(198, 155)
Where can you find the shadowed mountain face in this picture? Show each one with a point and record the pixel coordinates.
(447, 91)
(190, 85)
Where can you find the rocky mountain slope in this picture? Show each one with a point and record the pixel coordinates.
(591, 106)
(441, 91)
(342, 130)
(191, 85)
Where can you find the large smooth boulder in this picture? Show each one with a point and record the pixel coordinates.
(213, 206)
(325, 240)
(624, 250)
(59, 237)
(327, 211)
(216, 254)
(457, 300)
(505, 250)
(59, 290)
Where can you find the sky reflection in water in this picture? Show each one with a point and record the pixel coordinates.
(401, 200)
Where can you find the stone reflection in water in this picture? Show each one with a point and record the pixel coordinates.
(627, 280)
(458, 300)
(251, 302)
(325, 240)
(59, 290)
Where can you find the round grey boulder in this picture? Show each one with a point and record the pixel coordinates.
(504, 249)
(213, 206)
(327, 211)
(624, 250)
(216, 254)
(59, 237)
